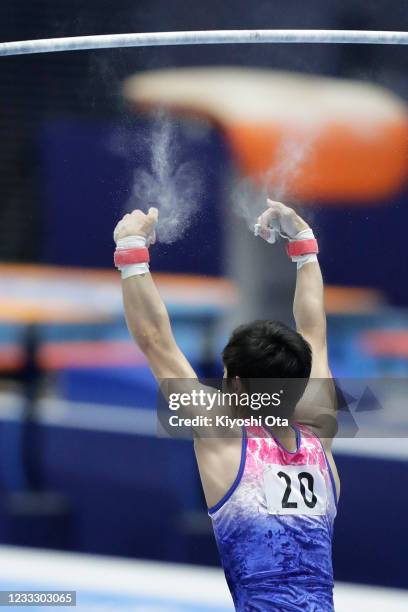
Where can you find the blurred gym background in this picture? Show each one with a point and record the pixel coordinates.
(81, 467)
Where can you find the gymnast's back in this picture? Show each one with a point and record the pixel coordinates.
(274, 526)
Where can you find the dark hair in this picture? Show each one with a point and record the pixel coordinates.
(269, 350)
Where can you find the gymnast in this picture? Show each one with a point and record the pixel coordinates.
(271, 491)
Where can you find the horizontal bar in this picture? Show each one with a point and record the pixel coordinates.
(203, 37)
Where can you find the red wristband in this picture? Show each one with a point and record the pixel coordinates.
(302, 247)
(126, 257)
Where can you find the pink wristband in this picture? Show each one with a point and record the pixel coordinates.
(299, 248)
(126, 257)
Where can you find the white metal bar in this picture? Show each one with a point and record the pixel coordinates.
(210, 37)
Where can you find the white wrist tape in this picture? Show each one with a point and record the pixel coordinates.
(301, 260)
(132, 269)
(272, 233)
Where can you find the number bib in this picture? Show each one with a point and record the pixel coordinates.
(295, 489)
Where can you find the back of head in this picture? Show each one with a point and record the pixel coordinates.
(271, 351)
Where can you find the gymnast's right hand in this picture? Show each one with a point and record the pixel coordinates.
(283, 219)
(138, 223)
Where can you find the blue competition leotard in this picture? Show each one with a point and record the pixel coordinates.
(274, 527)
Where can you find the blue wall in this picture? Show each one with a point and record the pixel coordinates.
(87, 189)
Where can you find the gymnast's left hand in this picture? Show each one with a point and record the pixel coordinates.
(138, 223)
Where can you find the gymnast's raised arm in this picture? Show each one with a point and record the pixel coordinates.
(318, 407)
(146, 314)
(149, 324)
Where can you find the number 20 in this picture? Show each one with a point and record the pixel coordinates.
(310, 483)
